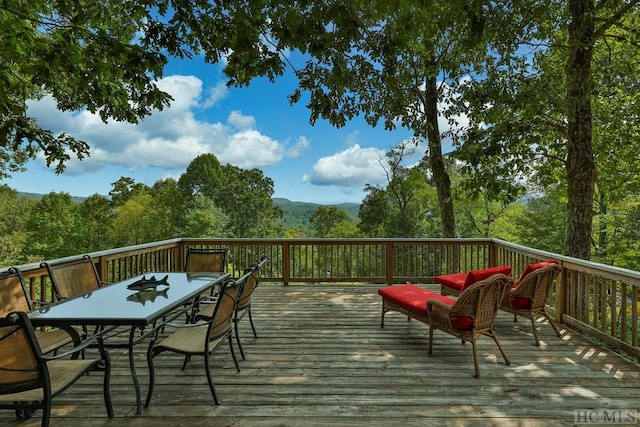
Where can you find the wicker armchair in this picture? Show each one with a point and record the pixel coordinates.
(14, 297)
(200, 339)
(29, 380)
(528, 297)
(479, 303)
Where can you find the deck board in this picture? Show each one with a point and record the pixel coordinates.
(322, 359)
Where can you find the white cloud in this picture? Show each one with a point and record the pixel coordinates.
(353, 167)
(216, 93)
(301, 145)
(168, 139)
(240, 121)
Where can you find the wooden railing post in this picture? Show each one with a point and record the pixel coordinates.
(286, 262)
(561, 295)
(389, 263)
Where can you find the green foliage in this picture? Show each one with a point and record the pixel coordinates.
(84, 54)
(332, 222)
(53, 227)
(406, 207)
(95, 221)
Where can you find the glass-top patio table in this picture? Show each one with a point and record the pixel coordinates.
(117, 305)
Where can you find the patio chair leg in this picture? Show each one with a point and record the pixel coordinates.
(504, 355)
(235, 325)
(430, 339)
(476, 364)
(187, 358)
(535, 332)
(253, 328)
(553, 325)
(233, 354)
(210, 380)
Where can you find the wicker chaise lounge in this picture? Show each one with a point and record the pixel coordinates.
(472, 314)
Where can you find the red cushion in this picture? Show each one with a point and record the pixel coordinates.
(532, 267)
(520, 302)
(478, 275)
(414, 298)
(455, 280)
(523, 302)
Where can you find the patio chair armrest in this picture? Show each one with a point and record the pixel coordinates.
(87, 342)
(184, 325)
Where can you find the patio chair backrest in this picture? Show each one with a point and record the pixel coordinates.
(482, 301)
(250, 277)
(13, 295)
(73, 278)
(21, 368)
(251, 283)
(225, 306)
(209, 260)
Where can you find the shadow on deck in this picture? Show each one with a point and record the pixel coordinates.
(322, 359)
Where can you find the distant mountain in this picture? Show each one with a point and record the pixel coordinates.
(38, 196)
(297, 214)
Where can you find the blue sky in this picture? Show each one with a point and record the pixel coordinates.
(250, 127)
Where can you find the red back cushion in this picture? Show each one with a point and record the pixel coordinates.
(533, 267)
(454, 280)
(477, 275)
(523, 302)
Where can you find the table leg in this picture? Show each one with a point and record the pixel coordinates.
(134, 375)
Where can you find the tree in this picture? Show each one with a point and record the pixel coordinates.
(329, 221)
(12, 226)
(95, 221)
(205, 219)
(527, 126)
(53, 227)
(390, 61)
(103, 56)
(406, 207)
(245, 197)
(202, 176)
(125, 188)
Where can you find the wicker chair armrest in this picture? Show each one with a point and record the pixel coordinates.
(439, 311)
(434, 302)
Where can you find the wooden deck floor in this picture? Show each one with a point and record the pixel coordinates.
(322, 359)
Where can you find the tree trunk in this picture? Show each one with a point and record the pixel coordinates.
(581, 169)
(436, 160)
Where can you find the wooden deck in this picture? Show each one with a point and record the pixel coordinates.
(322, 359)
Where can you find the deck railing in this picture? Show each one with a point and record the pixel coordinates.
(598, 300)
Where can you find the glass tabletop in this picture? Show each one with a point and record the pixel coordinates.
(116, 304)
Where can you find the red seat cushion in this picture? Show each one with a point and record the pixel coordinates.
(455, 280)
(461, 281)
(523, 302)
(414, 298)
